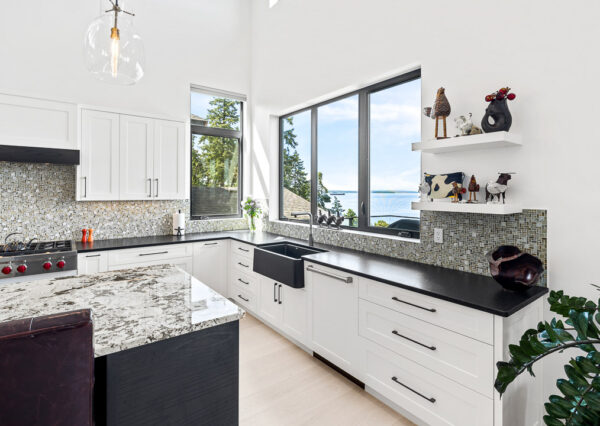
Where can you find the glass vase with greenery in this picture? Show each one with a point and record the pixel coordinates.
(578, 327)
(252, 211)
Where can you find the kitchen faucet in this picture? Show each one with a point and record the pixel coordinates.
(311, 242)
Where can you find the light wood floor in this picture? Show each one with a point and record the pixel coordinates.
(280, 384)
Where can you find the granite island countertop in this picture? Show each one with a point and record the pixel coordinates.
(130, 307)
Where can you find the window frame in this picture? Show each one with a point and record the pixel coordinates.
(363, 154)
(196, 129)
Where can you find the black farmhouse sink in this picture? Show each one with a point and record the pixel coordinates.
(282, 262)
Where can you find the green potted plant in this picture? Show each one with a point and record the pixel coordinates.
(577, 327)
(252, 211)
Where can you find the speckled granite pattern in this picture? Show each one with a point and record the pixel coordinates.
(39, 200)
(467, 237)
(130, 308)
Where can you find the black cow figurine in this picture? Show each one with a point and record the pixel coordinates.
(498, 188)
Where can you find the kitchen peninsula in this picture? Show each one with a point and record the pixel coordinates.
(166, 345)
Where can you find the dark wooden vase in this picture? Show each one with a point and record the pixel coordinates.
(513, 269)
(500, 116)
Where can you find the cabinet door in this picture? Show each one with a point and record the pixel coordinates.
(294, 312)
(334, 315)
(92, 263)
(210, 264)
(269, 308)
(169, 160)
(137, 170)
(99, 170)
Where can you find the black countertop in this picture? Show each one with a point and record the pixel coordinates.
(475, 291)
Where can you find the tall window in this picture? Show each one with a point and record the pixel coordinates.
(216, 129)
(360, 146)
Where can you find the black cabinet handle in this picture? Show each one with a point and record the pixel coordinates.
(412, 304)
(243, 298)
(150, 184)
(395, 379)
(93, 255)
(433, 348)
(279, 294)
(242, 281)
(210, 244)
(241, 264)
(243, 249)
(274, 292)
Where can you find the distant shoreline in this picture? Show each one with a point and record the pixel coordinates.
(382, 191)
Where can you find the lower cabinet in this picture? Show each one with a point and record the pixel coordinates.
(210, 264)
(333, 309)
(284, 307)
(92, 263)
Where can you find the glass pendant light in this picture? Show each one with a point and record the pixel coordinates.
(113, 50)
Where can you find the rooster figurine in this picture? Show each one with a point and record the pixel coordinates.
(473, 189)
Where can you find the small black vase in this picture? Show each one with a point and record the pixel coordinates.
(498, 111)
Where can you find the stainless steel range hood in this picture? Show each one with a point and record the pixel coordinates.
(30, 154)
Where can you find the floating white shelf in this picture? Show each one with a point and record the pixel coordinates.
(466, 143)
(482, 208)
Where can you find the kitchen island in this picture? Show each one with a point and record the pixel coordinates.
(166, 345)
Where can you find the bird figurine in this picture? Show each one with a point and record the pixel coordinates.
(473, 189)
(498, 188)
(321, 219)
(441, 109)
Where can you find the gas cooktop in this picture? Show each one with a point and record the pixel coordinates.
(19, 248)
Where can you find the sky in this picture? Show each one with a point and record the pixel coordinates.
(395, 122)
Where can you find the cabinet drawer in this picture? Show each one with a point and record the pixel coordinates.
(241, 263)
(460, 358)
(244, 297)
(241, 249)
(469, 322)
(244, 280)
(429, 396)
(149, 254)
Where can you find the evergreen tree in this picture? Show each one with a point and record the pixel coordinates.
(215, 159)
(323, 196)
(294, 174)
(337, 209)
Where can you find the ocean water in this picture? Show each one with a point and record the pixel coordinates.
(387, 206)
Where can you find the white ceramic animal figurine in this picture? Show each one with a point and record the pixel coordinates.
(465, 125)
(424, 189)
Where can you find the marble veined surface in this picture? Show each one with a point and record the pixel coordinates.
(130, 307)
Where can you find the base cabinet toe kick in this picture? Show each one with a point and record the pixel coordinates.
(432, 360)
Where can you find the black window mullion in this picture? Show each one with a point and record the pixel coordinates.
(314, 171)
(363, 160)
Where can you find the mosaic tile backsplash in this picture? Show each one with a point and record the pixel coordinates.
(39, 201)
(467, 237)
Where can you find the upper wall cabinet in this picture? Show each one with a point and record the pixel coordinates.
(132, 158)
(37, 122)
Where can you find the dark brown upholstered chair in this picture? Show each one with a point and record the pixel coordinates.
(47, 370)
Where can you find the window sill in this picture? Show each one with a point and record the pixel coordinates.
(351, 231)
(211, 218)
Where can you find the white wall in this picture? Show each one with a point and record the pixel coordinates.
(545, 50)
(204, 42)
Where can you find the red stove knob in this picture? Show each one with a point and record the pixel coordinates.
(60, 264)
(47, 265)
(22, 268)
(7, 270)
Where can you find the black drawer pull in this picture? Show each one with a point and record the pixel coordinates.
(241, 264)
(210, 244)
(275, 292)
(152, 254)
(243, 298)
(412, 304)
(93, 255)
(279, 295)
(414, 341)
(395, 379)
(243, 249)
(242, 281)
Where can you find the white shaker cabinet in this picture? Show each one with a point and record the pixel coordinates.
(136, 158)
(210, 264)
(333, 308)
(131, 157)
(169, 160)
(92, 263)
(98, 177)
